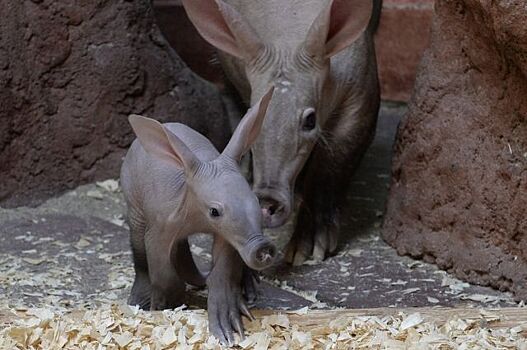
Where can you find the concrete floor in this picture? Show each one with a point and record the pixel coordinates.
(73, 251)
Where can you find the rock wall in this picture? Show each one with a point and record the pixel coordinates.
(70, 74)
(459, 190)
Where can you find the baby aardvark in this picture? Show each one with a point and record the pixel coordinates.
(175, 184)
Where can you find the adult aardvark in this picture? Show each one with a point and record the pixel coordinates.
(319, 54)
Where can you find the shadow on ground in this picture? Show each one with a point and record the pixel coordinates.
(73, 251)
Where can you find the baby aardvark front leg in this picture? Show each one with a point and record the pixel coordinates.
(225, 302)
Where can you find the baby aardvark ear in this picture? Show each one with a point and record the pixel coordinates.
(160, 142)
(249, 128)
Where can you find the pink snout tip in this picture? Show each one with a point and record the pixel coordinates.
(259, 252)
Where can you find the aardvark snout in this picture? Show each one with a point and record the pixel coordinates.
(259, 253)
(275, 207)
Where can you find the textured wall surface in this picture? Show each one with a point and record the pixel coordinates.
(402, 37)
(70, 74)
(459, 190)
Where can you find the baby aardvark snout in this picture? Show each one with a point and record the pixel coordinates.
(259, 253)
(265, 254)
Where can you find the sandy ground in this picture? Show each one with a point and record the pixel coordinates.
(73, 250)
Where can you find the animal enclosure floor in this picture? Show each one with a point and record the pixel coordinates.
(73, 251)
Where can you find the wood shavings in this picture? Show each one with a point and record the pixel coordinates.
(196, 250)
(82, 243)
(258, 341)
(319, 305)
(456, 286)
(109, 185)
(414, 264)
(356, 252)
(310, 295)
(95, 194)
(276, 320)
(411, 321)
(411, 290)
(489, 316)
(123, 339)
(517, 330)
(125, 327)
(399, 283)
(54, 278)
(34, 261)
(302, 311)
(311, 262)
(44, 315)
(482, 298)
(369, 238)
(118, 220)
(301, 340)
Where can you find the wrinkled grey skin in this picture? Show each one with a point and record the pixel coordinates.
(176, 184)
(319, 54)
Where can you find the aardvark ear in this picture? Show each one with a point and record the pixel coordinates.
(338, 25)
(223, 26)
(160, 142)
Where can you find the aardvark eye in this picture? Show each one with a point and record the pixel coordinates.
(310, 121)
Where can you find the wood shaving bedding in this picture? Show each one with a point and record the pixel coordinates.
(124, 327)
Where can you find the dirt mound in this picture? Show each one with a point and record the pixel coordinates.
(460, 169)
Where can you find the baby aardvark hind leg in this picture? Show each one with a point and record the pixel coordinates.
(167, 288)
(140, 294)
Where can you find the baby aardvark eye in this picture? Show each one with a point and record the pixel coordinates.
(214, 212)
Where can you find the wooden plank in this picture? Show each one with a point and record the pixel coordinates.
(509, 317)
